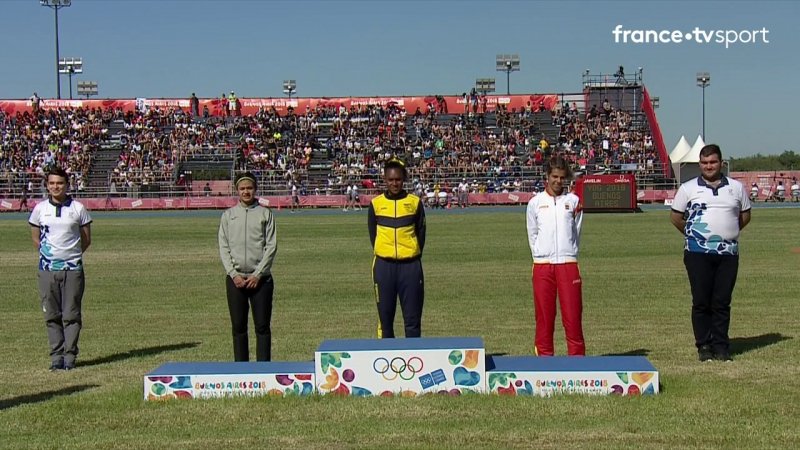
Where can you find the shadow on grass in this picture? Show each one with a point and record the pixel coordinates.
(136, 353)
(746, 344)
(636, 352)
(43, 396)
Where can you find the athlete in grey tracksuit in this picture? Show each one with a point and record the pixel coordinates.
(247, 247)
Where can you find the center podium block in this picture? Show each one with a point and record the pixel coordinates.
(407, 367)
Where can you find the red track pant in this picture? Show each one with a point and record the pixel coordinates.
(564, 281)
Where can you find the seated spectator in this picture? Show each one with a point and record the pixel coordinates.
(780, 192)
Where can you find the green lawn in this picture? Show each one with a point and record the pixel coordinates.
(155, 293)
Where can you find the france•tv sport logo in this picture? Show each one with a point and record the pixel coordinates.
(696, 35)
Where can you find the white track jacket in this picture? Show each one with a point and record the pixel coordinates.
(554, 228)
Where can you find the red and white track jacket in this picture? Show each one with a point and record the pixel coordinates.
(554, 228)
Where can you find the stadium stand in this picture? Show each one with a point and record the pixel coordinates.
(163, 151)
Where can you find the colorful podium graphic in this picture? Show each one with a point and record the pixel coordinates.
(406, 367)
(209, 379)
(545, 376)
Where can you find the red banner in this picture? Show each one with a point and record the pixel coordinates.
(250, 106)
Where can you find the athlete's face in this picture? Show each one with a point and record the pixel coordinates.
(57, 187)
(711, 166)
(247, 191)
(556, 180)
(394, 179)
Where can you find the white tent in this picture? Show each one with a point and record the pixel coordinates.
(693, 155)
(688, 167)
(681, 148)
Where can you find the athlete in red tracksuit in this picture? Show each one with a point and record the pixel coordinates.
(554, 225)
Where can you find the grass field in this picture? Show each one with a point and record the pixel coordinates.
(155, 293)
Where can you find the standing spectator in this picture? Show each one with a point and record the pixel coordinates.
(463, 193)
(710, 211)
(223, 105)
(23, 202)
(35, 101)
(247, 247)
(233, 105)
(295, 196)
(441, 104)
(348, 197)
(207, 190)
(554, 219)
(396, 223)
(795, 190)
(354, 197)
(194, 105)
(61, 231)
(473, 99)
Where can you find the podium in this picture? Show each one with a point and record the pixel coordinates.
(590, 375)
(406, 367)
(215, 379)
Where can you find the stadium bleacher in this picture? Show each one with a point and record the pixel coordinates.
(165, 151)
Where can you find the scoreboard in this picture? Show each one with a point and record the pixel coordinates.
(607, 192)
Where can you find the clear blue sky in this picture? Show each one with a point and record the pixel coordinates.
(168, 48)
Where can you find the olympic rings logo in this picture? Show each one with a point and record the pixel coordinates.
(398, 367)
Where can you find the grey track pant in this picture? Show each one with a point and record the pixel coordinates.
(61, 293)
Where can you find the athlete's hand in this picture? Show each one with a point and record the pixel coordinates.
(252, 282)
(239, 281)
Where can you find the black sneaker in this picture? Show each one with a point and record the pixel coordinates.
(57, 365)
(723, 355)
(705, 354)
(69, 366)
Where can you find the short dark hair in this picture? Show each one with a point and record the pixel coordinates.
(709, 150)
(557, 162)
(396, 163)
(57, 171)
(245, 176)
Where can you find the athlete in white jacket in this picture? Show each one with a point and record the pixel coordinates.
(554, 220)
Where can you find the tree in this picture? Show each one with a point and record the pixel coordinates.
(788, 160)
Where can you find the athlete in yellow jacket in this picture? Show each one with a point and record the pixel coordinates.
(396, 222)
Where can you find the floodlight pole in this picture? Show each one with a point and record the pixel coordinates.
(87, 88)
(289, 87)
(71, 71)
(58, 76)
(703, 80)
(704, 112)
(507, 64)
(508, 77)
(56, 5)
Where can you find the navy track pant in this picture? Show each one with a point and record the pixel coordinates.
(403, 279)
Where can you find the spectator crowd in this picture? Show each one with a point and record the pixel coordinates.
(346, 144)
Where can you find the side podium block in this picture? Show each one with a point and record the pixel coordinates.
(408, 367)
(546, 376)
(214, 379)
